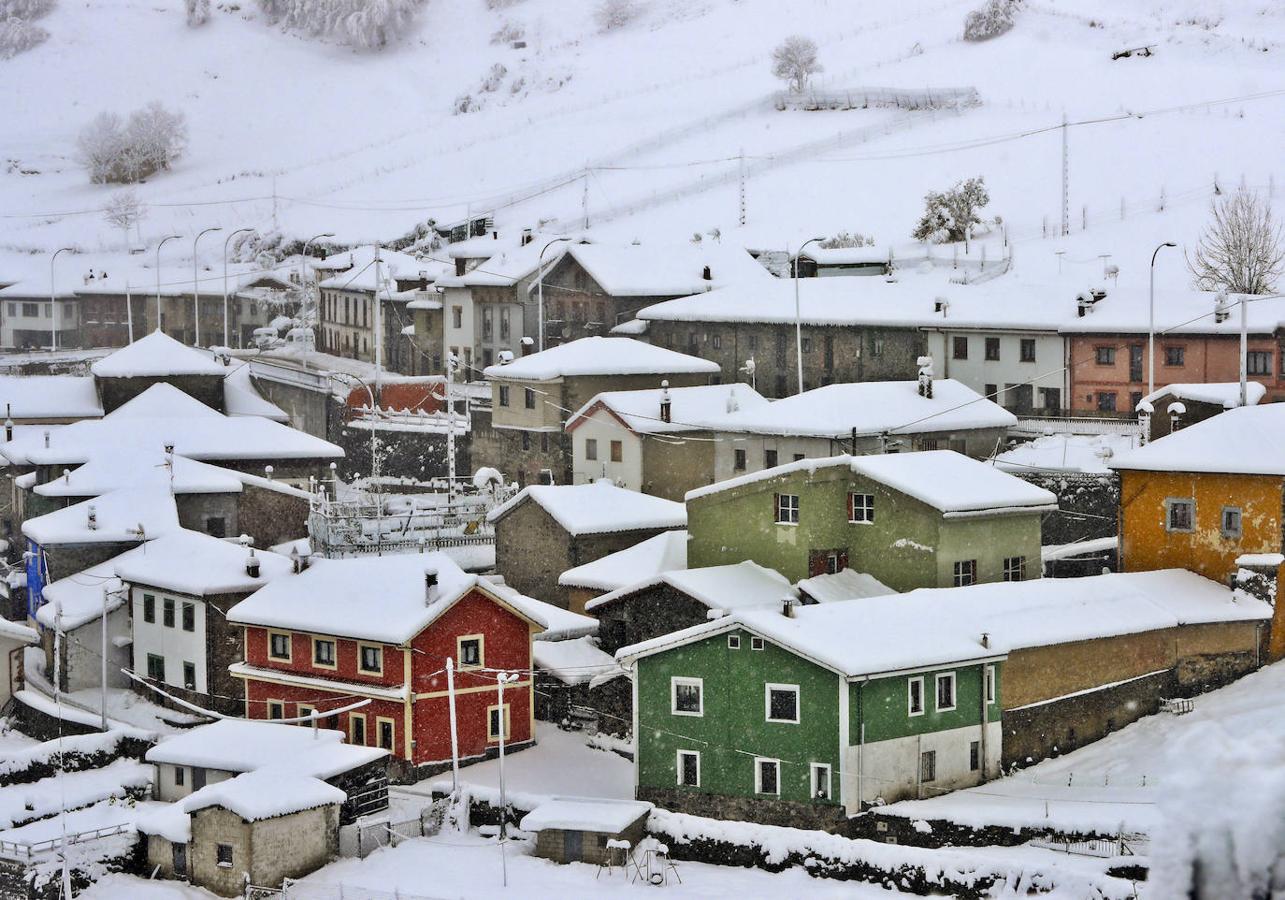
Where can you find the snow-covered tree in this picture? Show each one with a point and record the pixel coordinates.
(27, 10)
(368, 24)
(100, 146)
(123, 153)
(990, 20)
(1242, 250)
(612, 14)
(794, 61)
(950, 215)
(845, 239)
(18, 35)
(124, 210)
(198, 12)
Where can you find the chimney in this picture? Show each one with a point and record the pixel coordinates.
(296, 562)
(66, 476)
(940, 305)
(926, 377)
(1177, 410)
(732, 403)
(707, 274)
(92, 523)
(527, 236)
(252, 564)
(423, 280)
(267, 472)
(495, 235)
(430, 587)
(665, 403)
(787, 607)
(986, 639)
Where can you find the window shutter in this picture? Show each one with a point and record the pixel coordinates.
(851, 498)
(776, 507)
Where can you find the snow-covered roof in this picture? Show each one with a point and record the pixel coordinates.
(1088, 453)
(844, 256)
(736, 586)
(242, 745)
(196, 564)
(585, 814)
(113, 468)
(481, 247)
(49, 397)
(18, 632)
(943, 479)
(242, 398)
(643, 270)
(265, 794)
(874, 635)
(320, 599)
(155, 355)
(128, 514)
(663, 552)
(846, 584)
(359, 270)
(1223, 393)
(597, 508)
(872, 407)
(1052, 552)
(80, 596)
(572, 662)
(600, 356)
(1241, 441)
(509, 265)
(700, 407)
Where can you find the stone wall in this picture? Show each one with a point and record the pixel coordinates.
(212, 826)
(293, 846)
(1087, 506)
(645, 614)
(786, 813)
(195, 512)
(271, 517)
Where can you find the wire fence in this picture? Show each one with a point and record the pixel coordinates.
(868, 97)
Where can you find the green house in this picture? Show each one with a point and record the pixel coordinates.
(929, 519)
(805, 715)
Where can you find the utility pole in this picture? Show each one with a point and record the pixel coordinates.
(455, 740)
(584, 198)
(741, 177)
(129, 312)
(103, 655)
(379, 332)
(1066, 183)
(451, 363)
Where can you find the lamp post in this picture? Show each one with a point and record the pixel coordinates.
(53, 300)
(539, 290)
(196, 288)
(226, 241)
(1151, 322)
(168, 237)
(374, 456)
(798, 315)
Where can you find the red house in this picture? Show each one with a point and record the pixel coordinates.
(381, 629)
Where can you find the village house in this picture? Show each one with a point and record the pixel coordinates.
(859, 419)
(934, 518)
(664, 552)
(665, 436)
(14, 640)
(532, 397)
(320, 640)
(27, 316)
(155, 359)
(1176, 406)
(547, 529)
(819, 261)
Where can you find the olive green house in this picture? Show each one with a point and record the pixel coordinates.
(804, 715)
(929, 519)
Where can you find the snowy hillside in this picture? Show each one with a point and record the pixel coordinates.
(368, 144)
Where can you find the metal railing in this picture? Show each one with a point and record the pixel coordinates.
(24, 850)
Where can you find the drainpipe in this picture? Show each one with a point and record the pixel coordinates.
(982, 761)
(861, 738)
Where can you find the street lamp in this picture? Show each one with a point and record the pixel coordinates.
(1151, 323)
(53, 299)
(798, 316)
(168, 237)
(226, 241)
(539, 288)
(196, 287)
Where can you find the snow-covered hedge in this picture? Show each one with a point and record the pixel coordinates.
(74, 753)
(18, 35)
(368, 24)
(990, 20)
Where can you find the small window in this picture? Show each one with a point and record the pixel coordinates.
(323, 653)
(276, 709)
(189, 617)
(180, 776)
(798, 457)
(990, 684)
(716, 342)
(915, 696)
(960, 347)
(974, 755)
(738, 460)
(370, 659)
(544, 442)
(216, 526)
(861, 508)
(1175, 356)
(504, 395)
(991, 391)
(156, 667)
(782, 702)
(767, 776)
(965, 572)
(1015, 568)
(1106, 401)
(769, 459)
(357, 729)
(820, 781)
(946, 692)
(279, 645)
(470, 651)
(876, 345)
(756, 643)
(591, 448)
(689, 768)
(189, 676)
(528, 398)
(1105, 356)
(1258, 362)
(223, 855)
(167, 613)
(617, 451)
(687, 696)
(992, 349)
(928, 765)
(733, 642)
(1180, 515)
(149, 608)
(497, 723)
(386, 732)
(1028, 349)
(787, 509)
(1231, 522)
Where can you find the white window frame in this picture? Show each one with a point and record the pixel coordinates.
(767, 702)
(910, 696)
(678, 771)
(791, 511)
(505, 714)
(733, 642)
(758, 775)
(756, 643)
(829, 780)
(954, 692)
(1170, 502)
(867, 509)
(1018, 569)
(991, 675)
(698, 683)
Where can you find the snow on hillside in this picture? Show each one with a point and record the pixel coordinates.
(366, 144)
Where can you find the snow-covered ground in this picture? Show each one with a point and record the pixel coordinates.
(1087, 453)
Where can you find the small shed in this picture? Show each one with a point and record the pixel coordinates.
(577, 829)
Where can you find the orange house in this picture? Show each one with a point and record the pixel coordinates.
(1205, 497)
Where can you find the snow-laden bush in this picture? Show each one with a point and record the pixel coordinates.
(845, 239)
(494, 78)
(27, 10)
(119, 152)
(990, 20)
(949, 215)
(794, 61)
(18, 35)
(198, 12)
(613, 14)
(368, 24)
(507, 33)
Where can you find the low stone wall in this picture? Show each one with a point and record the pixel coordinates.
(748, 809)
(78, 753)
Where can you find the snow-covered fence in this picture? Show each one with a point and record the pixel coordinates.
(361, 838)
(1090, 424)
(1104, 848)
(24, 851)
(293, 890)
(867, 97)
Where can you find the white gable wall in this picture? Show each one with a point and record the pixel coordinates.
(604, 428)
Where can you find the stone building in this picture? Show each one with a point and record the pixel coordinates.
(665, 552)
(1175, 406)
(578, 829)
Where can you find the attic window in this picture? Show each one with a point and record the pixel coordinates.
(470, 651)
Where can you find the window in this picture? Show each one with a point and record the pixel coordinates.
(946, 692)
(189, 676)
(820, 781)
(149, 608)
(733, 642)
(1106, 401)
(965, 572)
(167, 612)
(189, 617)
(385, 732)
(767, 776)
(689, 768)
(180, 776)
(991, 391)
(370, 658)
(1259, 362)
(278, 645)
(457, 316)
(738, 460)
(276, 709)
(357, 729)
(787, 509)
(876, 345)
(1175, 356)
(960, 347)
(323, 653)
(974, 755)
(591, 448)
(1028, 349)
(990, 684)
(497, 723)
(1105, 356)
(216, 526)
(155, 667)
(526, 440)
(528, 398)
(504, 395)
(1015, 568)
(617, 451)
(992, 349)
(544, 442)
(1180, 515)
(928, 765)
(303, 710)
(797, 457)
(861, 508)
(781, 702)
(756, 643)
(915, 696)
(223, 855)
(1231, 522)
(716, 342)
(769, 459)
(686, 696)
(807, 345)
(31, 310)
(469, 648)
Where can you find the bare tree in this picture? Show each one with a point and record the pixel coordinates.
(795, 62)
(1242, 251)
(124, 210)
(198, 12)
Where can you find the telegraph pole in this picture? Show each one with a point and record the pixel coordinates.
(1066, 183)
